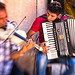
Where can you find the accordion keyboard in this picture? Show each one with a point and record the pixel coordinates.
(49, 36)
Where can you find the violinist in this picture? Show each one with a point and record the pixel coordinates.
(9, 51)
(54, 12)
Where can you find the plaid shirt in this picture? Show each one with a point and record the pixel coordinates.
(5, 63)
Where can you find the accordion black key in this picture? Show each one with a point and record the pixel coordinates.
(60, 37)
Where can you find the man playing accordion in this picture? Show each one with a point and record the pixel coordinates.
(54, 12)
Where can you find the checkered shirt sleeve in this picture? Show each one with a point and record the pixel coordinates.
(5, 62)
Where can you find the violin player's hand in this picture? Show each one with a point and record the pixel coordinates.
(30, 44)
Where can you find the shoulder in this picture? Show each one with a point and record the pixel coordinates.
(42, 18)
(63, 17)
(10, 25)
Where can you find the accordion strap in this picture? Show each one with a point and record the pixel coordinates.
(44, 16)
(61, 16)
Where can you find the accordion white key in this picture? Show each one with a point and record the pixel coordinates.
(60, 37)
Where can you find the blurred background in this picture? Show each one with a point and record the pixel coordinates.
(18, 9)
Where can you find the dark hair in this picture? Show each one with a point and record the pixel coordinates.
(2, 6)
(55, 7)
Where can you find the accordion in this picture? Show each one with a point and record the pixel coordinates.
(60, 37)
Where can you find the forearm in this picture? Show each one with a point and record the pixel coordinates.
(14, 55)
(17, 54)
(30, 33)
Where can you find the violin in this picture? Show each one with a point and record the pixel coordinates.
(17, 36)
(14, 39)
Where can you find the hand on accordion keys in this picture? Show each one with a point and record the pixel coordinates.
(45, 48)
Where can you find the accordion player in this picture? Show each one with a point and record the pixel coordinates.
(60, 37)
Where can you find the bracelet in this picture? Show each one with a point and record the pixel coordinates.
(39, 44)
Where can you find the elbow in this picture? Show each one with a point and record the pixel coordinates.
(28, 36)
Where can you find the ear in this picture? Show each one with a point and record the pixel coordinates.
(59, 15)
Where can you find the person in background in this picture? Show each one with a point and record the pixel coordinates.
(54, 12)
(72, 2)
(69, 7)
(8, 50)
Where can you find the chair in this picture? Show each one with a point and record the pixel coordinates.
(55, 68)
